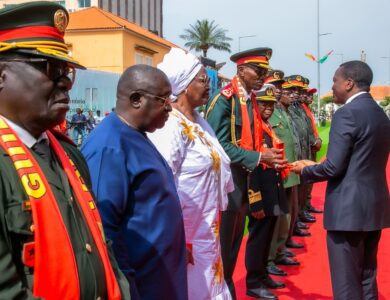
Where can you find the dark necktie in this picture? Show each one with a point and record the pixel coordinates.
(42, 148)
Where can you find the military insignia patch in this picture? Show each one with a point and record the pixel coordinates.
(268, 54)
(277, 75)
(254, 197)
(28, 256)
(60, 20)
(299, 78)
(269, 92)
(227, 92)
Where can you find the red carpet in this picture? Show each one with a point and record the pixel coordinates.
(311, 280)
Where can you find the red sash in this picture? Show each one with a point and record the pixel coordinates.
(55, 269)
(276, 142)
(246, 132)
(310, 115)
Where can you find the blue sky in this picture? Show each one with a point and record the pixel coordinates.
(290, 29)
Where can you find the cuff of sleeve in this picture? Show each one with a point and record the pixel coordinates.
(258, 161)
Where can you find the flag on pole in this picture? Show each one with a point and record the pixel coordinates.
(311, 56)
(325, 57)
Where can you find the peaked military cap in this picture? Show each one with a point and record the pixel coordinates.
(266, 94)
(35, 28)
(256, 56)
(293, 81)
(274, 76)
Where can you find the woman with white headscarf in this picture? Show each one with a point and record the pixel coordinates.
(202, 173)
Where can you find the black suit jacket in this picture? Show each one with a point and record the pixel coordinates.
(357, 195)
(270, 185)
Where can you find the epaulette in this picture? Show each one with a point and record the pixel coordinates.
(227, 91)
(62, 137)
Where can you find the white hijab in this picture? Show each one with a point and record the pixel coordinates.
(181, 67)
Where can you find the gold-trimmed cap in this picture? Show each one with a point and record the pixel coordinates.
(36, 28)
(256, 56)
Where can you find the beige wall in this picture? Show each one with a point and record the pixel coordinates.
(129, 49)
(111, 50)
(97, 50)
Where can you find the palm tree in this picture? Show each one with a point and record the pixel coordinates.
(204, 35)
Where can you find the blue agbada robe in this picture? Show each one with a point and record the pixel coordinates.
(140, 209)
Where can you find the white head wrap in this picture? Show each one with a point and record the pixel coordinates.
(181, 67)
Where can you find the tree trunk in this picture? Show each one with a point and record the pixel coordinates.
(204, 52)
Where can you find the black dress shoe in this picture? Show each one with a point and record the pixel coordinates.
(312, 209)
(274, 270)
(261, 293)
(288, 253)
(301, 232)
(301, 225)
(285, 261)
(307, 218)
(292, 244)
(273, 284)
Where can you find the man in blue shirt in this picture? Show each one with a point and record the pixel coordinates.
(79, 121)
(135, 188)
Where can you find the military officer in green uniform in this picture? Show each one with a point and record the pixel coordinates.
(52, 245)
(315, 139)
(304, 132)
(233, 114)
(282, 125)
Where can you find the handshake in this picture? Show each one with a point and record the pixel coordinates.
(274, 158)
(297, 166)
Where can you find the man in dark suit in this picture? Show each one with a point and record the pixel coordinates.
(357, 205)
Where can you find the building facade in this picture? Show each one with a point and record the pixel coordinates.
(103, 41)
(70, 5)
(145, 13)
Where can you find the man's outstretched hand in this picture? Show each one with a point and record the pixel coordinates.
(298, 166)
(273, 157)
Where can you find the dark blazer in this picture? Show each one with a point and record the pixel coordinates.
(270, 185)
(357, 196)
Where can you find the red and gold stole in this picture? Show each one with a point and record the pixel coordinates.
(55, 269)
(247, 137)
(276, 143)
(310, 115)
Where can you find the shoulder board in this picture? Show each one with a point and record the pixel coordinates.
(61, 137)
(227, 91)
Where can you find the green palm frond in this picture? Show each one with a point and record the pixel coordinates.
(204, 35)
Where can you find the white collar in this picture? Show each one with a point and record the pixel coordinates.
(24, 135)
(354, 96)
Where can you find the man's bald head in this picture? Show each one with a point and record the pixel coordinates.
(140, 77)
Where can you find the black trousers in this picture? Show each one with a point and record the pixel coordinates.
(231, 233)
(353, 264)
(257, 249)
(292, 196)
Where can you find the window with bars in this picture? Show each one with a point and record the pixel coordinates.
(84, 3)
(141, 58)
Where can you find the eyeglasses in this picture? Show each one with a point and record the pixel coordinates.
(163, 100)
(289, 93)
(53, 69)
(261, 72)
(205, 80)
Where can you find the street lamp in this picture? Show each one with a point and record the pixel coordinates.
(243, 37)
(318, 59)
(341, 55)
(388, 58)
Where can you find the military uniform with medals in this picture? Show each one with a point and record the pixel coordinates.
(224, 114)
